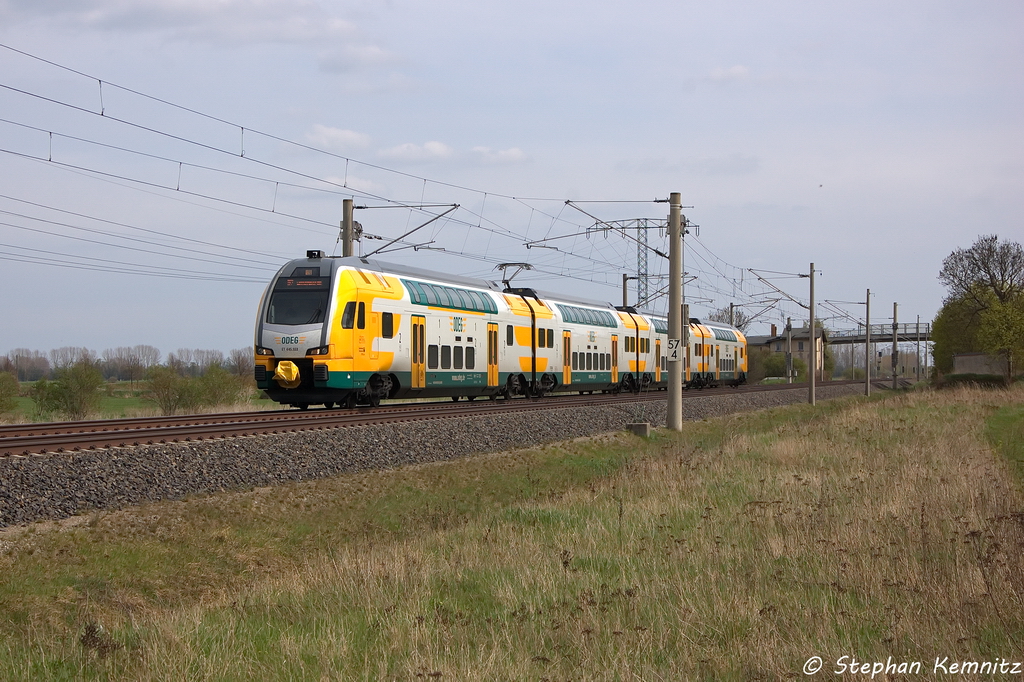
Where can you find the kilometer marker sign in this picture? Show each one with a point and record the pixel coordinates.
(674, 350)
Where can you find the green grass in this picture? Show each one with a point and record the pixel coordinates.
(1005, 430)
(120, 401)
(732, 551)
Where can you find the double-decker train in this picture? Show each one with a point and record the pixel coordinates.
(348, 331)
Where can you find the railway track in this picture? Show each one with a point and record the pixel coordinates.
(42, 438)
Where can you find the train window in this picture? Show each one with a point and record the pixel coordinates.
(510, 336)
(608, 360)
(430, 294)
(575, 360)
(551, 338)
(540, 338)
(387, 325)
(361, 316)
(432, 357)
(457, 357)
(600, 357)
(446, 357)
(470, 357)
(349, 315)
(590, 361)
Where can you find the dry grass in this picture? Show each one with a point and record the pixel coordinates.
(735, 551)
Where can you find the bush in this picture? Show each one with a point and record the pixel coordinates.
(169, 390)
(173, 392)
(74, 393)
(219, 387)
(9, 389)
(774, 365)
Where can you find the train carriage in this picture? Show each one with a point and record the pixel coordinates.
(347, 331)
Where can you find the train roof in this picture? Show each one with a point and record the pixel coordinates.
(383, 267)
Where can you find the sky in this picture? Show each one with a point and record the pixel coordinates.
(160, 159)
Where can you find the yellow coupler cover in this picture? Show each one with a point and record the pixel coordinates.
(287, 374)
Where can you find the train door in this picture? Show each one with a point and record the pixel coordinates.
(374, 335)
(718, 362)
(566, 357)
(492, 354)
(657, 359)
(615, 359)
(419, 338)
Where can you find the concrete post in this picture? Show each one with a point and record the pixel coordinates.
(812, 370)
(867, 343)
(675, 309)
(895, 346)
(347, 228)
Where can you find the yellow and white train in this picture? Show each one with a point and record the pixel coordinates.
(347, 331)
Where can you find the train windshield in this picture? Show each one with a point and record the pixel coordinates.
(299, 301)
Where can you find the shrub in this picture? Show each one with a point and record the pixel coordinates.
(9, 389)
(173, 392)
(74, 393)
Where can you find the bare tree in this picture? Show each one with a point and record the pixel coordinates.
(205, 359)
(240, 362)
(989, 266)
(29, 365)
(181, 361)
(66, 356)
(147, 355)
(741, 319)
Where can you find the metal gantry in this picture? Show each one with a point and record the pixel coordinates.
(641, 226)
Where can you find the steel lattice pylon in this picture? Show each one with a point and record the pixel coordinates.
(641, 225)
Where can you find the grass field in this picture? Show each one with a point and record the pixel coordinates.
(735, 550)
(120, 403)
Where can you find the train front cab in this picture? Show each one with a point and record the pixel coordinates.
(347, 364)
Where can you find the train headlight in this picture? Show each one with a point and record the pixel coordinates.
(264, 351)
(322, 350)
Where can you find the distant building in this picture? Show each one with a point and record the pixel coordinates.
(801, 340)
(908, 365)
(979, 363)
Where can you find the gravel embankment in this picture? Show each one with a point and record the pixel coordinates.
(56, 486)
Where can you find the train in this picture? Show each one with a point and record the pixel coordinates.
(348, 331)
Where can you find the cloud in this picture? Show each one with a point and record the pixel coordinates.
(733, 73)
(233, 21)
(499, 156)
(349, 57)
(337, 139)
(734, 164)
(429, 151)
(359, 184)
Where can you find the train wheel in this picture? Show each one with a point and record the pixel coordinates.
(374, 400)
(350, 401)
(302, 406)
(455, 398)
(470, 398)
(328, 406)
(493, 396)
